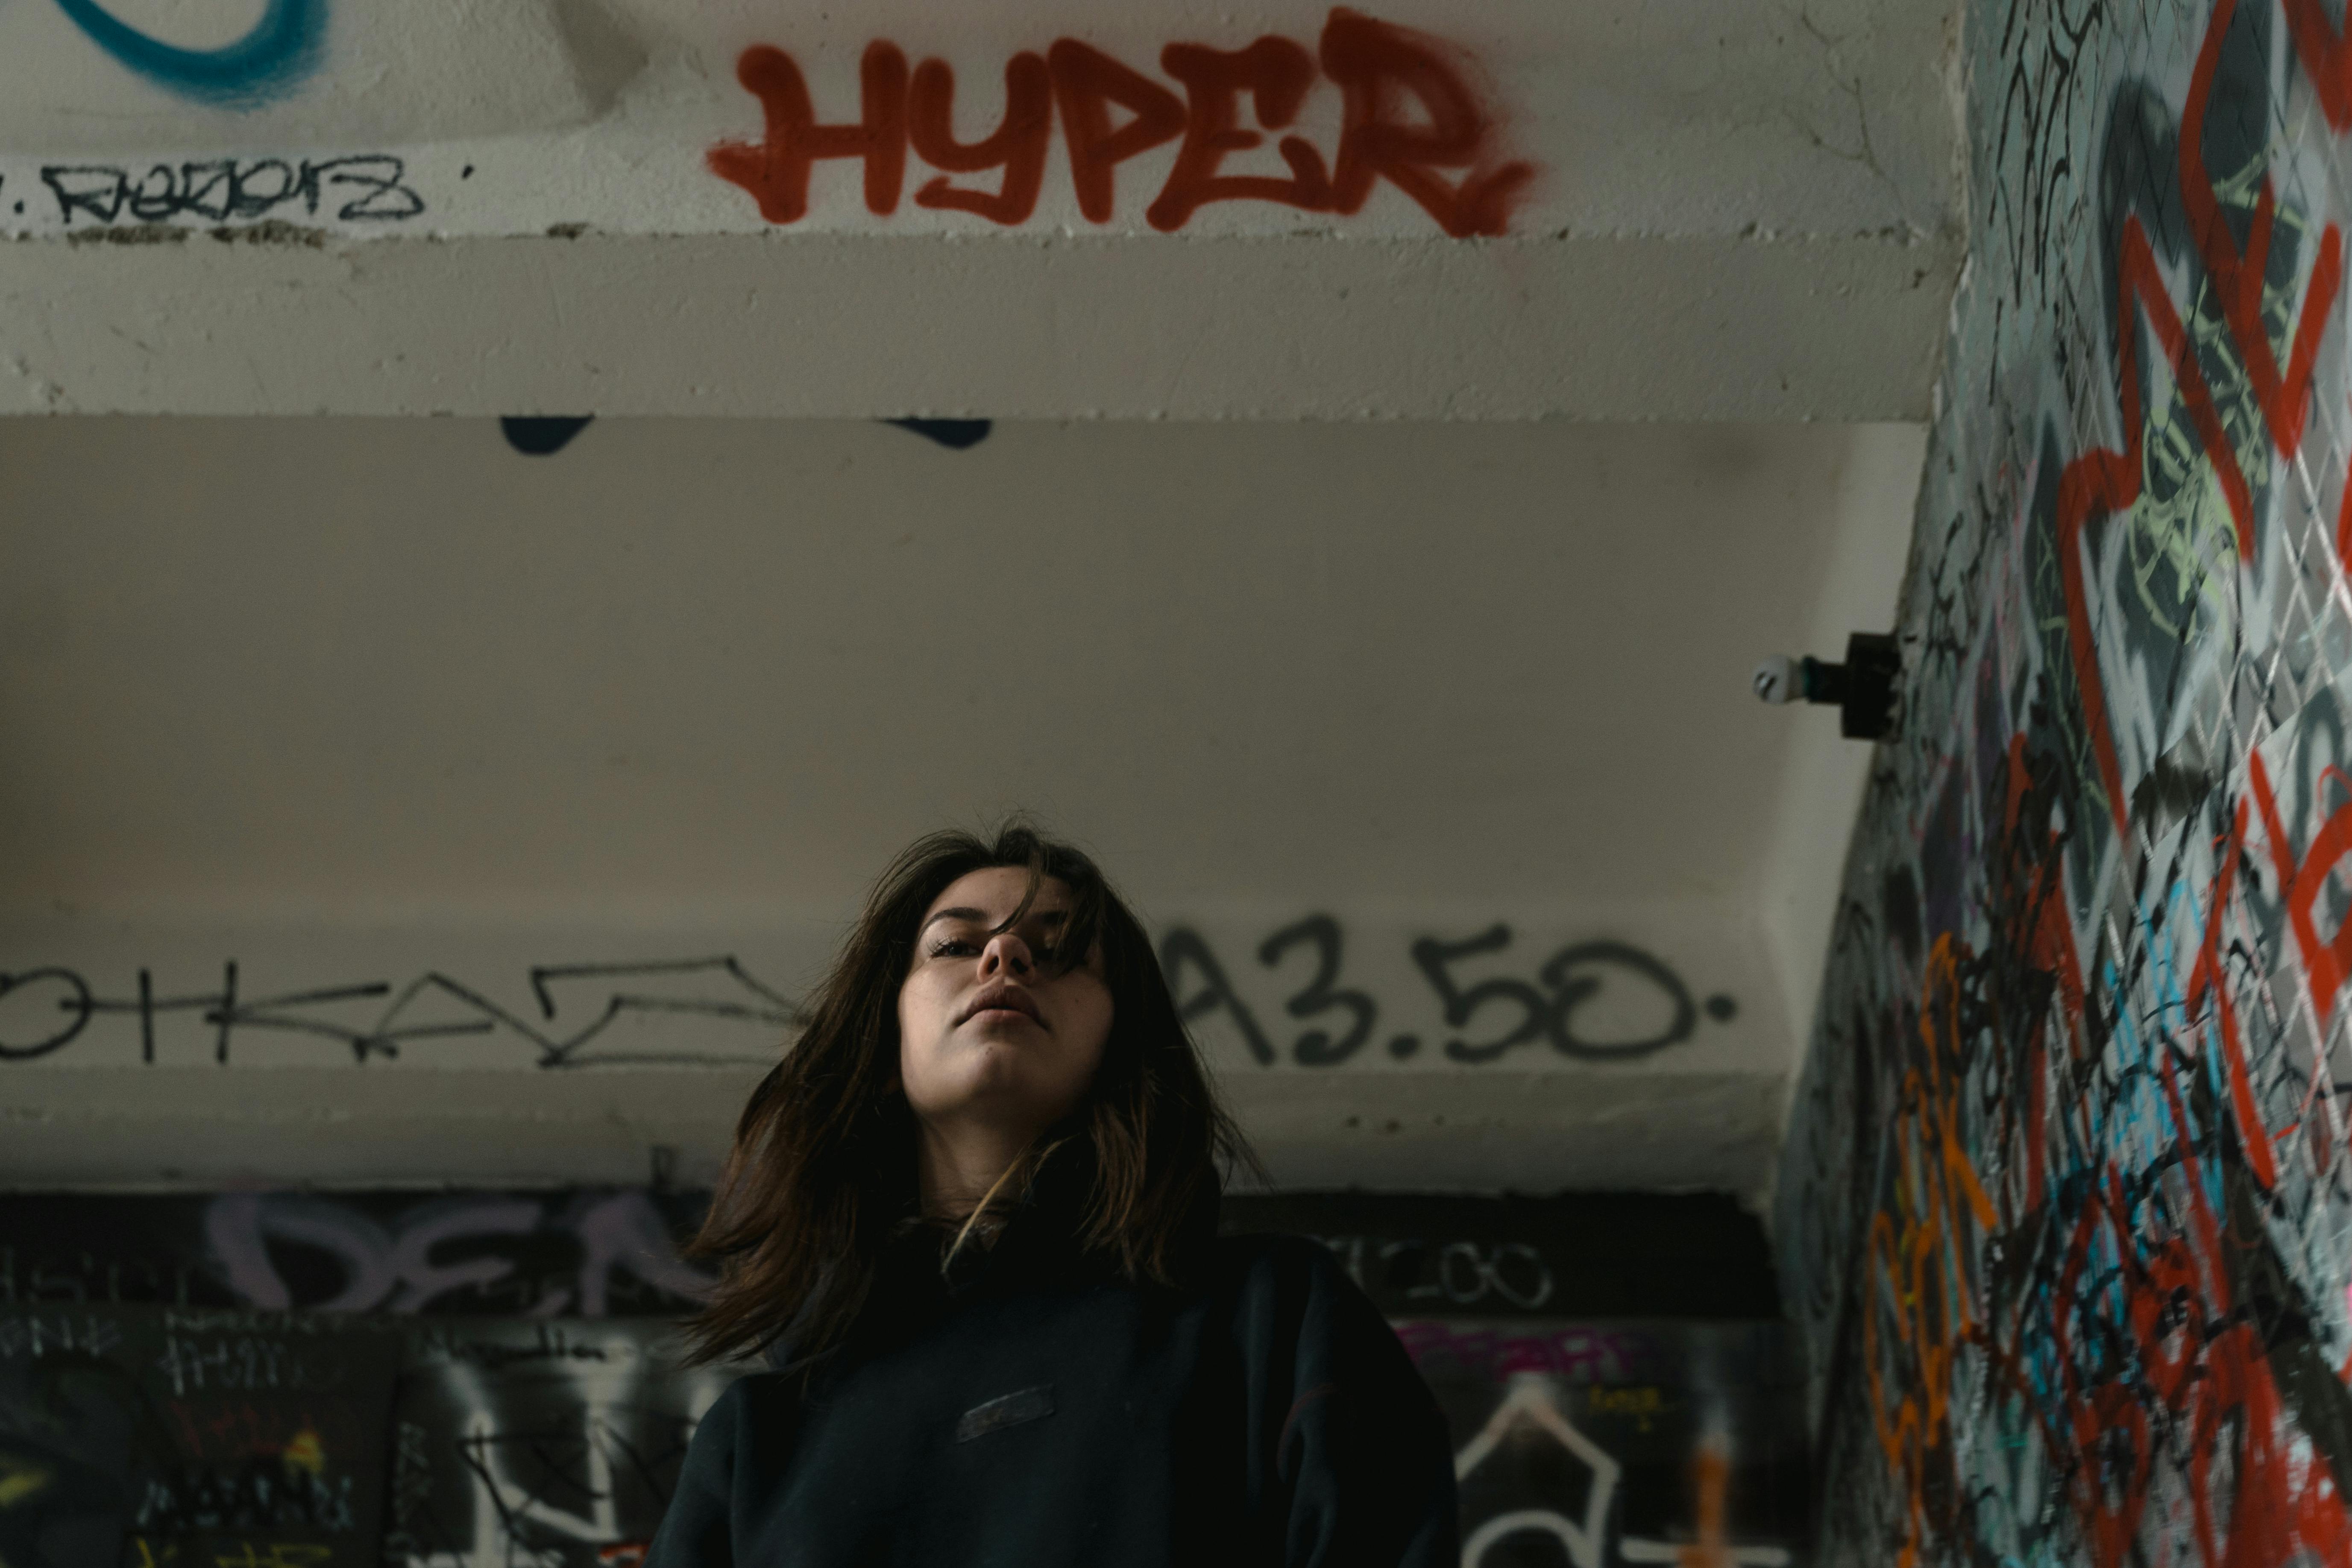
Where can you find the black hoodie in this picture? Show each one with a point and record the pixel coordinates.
(1032, 1410)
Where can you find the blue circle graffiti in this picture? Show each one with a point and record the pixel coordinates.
(276, 53)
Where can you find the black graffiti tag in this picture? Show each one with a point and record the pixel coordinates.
(1581, 973)
(1316, 1047)
(606, 994)
(1187, 949)
(1494, 1014)
(63, 990)
(366, 188)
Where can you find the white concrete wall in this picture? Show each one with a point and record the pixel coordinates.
(1821, 793)
(1694, 117)
(448, 749)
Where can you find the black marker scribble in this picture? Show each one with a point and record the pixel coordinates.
(366, 188)
(578, 1003)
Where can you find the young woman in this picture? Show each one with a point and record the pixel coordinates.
(970, 1221)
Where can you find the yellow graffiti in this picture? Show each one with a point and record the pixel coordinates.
(306, 1452)
(21, 1480)
(283, 1554)
(1643, 1405)
(244, 1555)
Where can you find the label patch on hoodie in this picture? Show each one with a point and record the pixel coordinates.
(1011, 1410)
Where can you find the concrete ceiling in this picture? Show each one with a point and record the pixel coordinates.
(491, 809)
(334, 697)
(743, 662)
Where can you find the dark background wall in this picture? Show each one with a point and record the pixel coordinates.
(476, 1379)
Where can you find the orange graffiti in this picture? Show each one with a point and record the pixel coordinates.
(1917, 1270)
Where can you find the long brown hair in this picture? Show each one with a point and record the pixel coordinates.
(823, 1166)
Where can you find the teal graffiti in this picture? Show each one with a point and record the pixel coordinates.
(274, 56)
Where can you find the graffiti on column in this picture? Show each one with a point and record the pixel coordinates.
(1679, 1444)
(581, 1253)
(2064, 1199)
(159, 1437)
(554, 1443)
(539, 1411)
(288, 1439)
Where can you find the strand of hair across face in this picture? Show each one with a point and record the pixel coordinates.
(1028, 1162)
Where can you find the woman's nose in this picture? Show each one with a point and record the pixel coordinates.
(1005, 952)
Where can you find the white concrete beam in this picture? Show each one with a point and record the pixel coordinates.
(1704, 211)
(1062, 327)
(1609, 1047)
(193, 1129)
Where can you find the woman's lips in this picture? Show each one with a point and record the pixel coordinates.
(1006, 1002)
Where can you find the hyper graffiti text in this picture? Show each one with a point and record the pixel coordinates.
(1412, 115)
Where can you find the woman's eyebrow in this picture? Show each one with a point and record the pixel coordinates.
(1046, 917)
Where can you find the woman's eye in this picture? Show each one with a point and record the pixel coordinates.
(952, 947)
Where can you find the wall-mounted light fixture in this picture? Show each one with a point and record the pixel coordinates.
(1861, 688)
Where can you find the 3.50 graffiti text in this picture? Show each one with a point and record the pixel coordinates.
(1495, 1013)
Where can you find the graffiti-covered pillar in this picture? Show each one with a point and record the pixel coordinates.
(2065, 1202)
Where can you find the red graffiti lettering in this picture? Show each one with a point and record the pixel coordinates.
(1018, 145)
(1378, 66)
(2344, 519)
(1087, 83)
(1276, 73)
(2238, 277)
(776, 172)
(2102, 482)
(2327, 963)
(1410, 115)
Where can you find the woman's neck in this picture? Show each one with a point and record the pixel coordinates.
(959, 1168)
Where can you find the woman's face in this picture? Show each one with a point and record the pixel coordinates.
(990, 1033)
